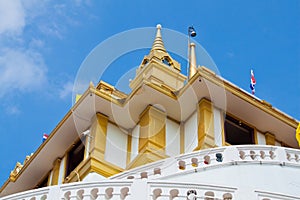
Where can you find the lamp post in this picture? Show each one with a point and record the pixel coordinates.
(191, 33)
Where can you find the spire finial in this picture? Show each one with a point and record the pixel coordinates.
(192, 61)
(158, 44)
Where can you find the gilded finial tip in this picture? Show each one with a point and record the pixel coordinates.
(158, 26)
(91, 84)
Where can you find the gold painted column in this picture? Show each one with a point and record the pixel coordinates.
(152, 130)
(152, 138)
(55, 174)
(98, 135)
(129, 146)
(206, 135)
(97, 162)
(270, 138)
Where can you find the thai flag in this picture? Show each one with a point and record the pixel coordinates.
(45, 137)
(253, 82)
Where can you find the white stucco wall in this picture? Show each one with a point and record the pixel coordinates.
(135, 142)
(93, 176)
(248, 178)
(116, 146)
(261, 139)
(172, 138)
(218, 126)
(191, 133)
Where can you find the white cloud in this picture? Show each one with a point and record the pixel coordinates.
(52, 29)
(66, 90)
(12, 17)
(12, 110)
(21, 71)
(22, 66)
(36, 43)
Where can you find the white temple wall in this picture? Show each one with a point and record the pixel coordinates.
(218, 126)
(247, 178)
(261, 139)
(135, 142)
(191, 133)
(172, 138)
(93, 176)
(116, 146)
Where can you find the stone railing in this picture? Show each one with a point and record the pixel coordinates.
(78, 191)
(143, 182)
(125, 190)
(101, 190)
(38, 194)
(216, 157)
(170, 190)
(142, 189)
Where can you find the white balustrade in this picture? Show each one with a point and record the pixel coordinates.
(240, 154)
(172, 191)
(293, 155)
(120, 186)
(257, 153)
(36, 194)
(96, 190)
(203, 158)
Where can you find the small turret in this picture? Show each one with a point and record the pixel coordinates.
(159, 67)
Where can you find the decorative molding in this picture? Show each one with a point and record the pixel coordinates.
(15, 172)
(90, 165)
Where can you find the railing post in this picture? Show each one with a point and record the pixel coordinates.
(231, 154)
(87, 194)
(54, 192)
(281, 154)
(74, 195)
(139, 189)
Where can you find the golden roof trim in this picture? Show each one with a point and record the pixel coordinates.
(261, 104)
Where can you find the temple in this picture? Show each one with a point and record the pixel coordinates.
(173, 137)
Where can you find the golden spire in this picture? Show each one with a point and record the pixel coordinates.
(158, 44)
(192, 61)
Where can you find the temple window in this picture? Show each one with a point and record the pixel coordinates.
(43, 182)
(166, 61)
(145, 62)
(237, 132)
(75, 156)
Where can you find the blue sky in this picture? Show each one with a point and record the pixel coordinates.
(43, 43)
